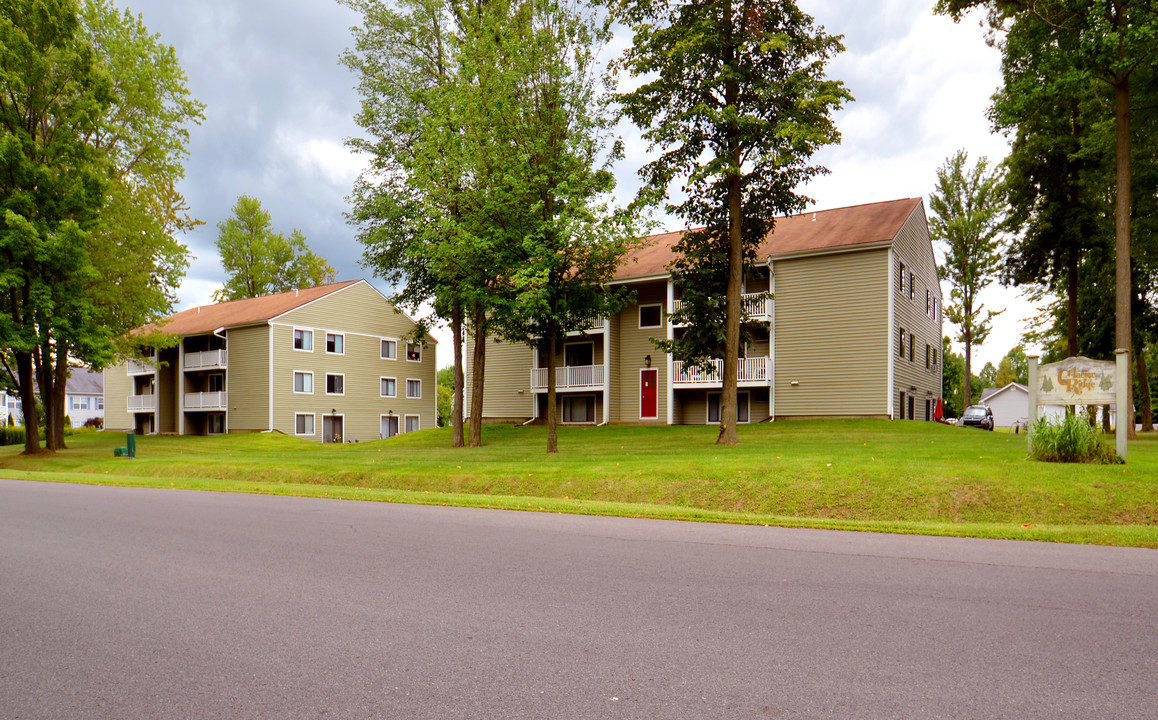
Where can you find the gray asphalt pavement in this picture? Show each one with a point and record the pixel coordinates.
(130, 603)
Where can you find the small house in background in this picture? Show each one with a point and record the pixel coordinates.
(84, 399)
(84, 396)
(330, 363)
(1010, 404)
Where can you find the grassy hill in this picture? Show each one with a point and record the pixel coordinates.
(854, 474)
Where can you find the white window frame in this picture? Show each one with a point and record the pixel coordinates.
(392, 341)
(420, 347)
(330, 375)
(295, 382)
(406, 421)
(394, 380)
(408, 395)
(902, 278)
(313, 423)
(708, 407)
(639, 317)
(582, 343)
(572, 397)
(303, 330)
(335, 334)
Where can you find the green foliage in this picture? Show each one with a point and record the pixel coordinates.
(952, 380)
(259, 261)
(445, 382)
(968, 208)
(93, 112)
(735, 101)
(11, 435)
(1014, 367)
(1072, 439)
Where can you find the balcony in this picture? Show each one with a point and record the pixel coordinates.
(577, 377)
(142, 403)
(206, 401)
(752, 372)
(206, 360)
(757, 307)
(137, 367)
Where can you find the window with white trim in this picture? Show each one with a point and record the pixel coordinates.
(304, 383)
(912, 286)
(650, 316)
(901, 343)
(901, 278)
(389, 387)
(304, 340)
(414, 389)
(413, 423)
(414, 352)
(335, 384)
(336, 343)
(304, 424)
(389, 349)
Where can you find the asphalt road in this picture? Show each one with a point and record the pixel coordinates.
(128, 603)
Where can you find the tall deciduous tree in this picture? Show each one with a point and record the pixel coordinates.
(552, 140)
(1107, 41)
(952, 380)
(1014, 367)
(260, 261)
(736, 99)
(422, 207)
(93, 112)
(968, 210)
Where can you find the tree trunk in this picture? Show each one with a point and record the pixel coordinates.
(28, 403)
(1073, 254)
(552, 411)
(1106, 419)
(1144, 403)
(1123, 290)
(59, 395)
(728, 399)
(476, 381)
(457, 400)
(968, 399)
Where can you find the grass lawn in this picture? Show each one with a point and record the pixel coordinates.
(853, 474)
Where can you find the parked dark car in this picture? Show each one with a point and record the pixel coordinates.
(978, 416)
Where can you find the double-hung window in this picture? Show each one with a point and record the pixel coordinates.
(304, 340)
(304, 382)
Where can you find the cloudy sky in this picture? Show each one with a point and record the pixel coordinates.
(279, 107)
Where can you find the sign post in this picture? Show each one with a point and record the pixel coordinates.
(1082, 381)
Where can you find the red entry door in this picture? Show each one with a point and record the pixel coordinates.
(648, 394)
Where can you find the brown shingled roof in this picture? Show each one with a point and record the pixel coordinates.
(236, 313)
(811, 231)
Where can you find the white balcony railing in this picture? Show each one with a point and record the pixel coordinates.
(206, 359)
(757, 307)
(142, 403)
(136, 367)
(569, 378)
(752, 371)
(206, 401)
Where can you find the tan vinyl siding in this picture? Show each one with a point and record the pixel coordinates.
(118, 386)
(832, 335)
(247, 379)
(913, 248)
(363, 318)
(634, 344)
(506, 379)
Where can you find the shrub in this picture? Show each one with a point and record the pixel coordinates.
(12, 435)
(1071, 440)
(95, 422)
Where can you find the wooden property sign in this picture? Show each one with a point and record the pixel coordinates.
(1082, 381)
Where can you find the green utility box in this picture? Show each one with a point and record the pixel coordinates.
(129, 449)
